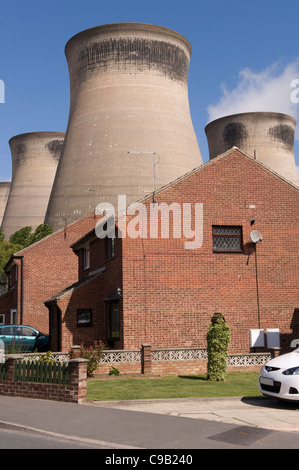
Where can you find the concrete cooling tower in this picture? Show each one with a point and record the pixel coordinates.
(129, 111)
(4, 192)
(34, 162)
(269, 136)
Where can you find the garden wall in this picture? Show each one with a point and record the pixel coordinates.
(73, 392)
(175, 361)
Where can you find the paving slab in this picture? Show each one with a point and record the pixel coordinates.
(260, 412)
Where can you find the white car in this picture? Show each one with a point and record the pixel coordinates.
(279, 377)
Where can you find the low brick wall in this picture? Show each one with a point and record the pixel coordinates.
(75, 392)
(175, 362)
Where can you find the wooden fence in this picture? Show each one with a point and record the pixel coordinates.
(3, 369)
(42, 372)
(49, 381)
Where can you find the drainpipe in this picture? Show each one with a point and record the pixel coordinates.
(22, 288)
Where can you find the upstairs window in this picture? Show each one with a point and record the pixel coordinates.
(227, 239)
(86, 258)
(110, 247)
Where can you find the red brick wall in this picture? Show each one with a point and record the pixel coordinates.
(91, 295)
(170, 293)
(8, 301)
(48, 267)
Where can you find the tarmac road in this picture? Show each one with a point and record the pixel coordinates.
(233, 423)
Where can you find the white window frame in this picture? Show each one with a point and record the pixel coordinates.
(86, 257)
(13, 316)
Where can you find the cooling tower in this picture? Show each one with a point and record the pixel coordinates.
(34, 162)
(129, 115)
(4, 192)
(269, 136)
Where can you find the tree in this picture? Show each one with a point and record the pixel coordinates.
(218, 338)
(21, 237)
(7, 249)
(25, 237)
(17, 241)
(41, 232)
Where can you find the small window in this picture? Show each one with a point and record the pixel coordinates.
(110, 247)
(2, 318)
(86, 258)
(113, 332)
(227, 239)
(13, 316)
(84, 317)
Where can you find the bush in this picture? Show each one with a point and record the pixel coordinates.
(218, 337)
(94, 355)
(114, 371)
(48, 358)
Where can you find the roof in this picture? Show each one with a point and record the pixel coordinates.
(19, 254)
(91, 235)
(77, 285)
(212, 162)
(216, 159)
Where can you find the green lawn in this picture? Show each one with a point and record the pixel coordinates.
(237, 384)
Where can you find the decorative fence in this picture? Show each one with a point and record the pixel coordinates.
(175, 361)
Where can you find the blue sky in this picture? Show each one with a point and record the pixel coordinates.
(244, 54)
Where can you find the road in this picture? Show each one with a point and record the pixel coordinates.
(41, 424)
(20, 440)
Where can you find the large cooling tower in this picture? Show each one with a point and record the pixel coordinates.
(4, 192)
(129, 111)
(269, 136)
(34, 162)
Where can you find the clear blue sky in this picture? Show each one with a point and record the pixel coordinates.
(250, 49)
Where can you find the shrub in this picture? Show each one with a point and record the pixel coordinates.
(94, 355)
(218, 337)
(114, 371)
(48, 358)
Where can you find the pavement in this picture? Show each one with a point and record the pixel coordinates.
(259, 412)
(256, 422)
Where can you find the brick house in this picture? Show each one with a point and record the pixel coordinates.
(39, 271)
(159, 288)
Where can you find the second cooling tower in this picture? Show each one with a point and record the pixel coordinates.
(268, 136)
(129, 112)
(34, 162)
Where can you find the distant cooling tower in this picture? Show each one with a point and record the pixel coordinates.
(34, 162)
(129, 111)
(268, 135)
(4, 192)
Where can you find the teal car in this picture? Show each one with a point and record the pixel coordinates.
(23, 338)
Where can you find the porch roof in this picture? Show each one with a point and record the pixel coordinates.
(76, 285)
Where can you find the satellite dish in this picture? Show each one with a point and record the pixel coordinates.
(256, 236)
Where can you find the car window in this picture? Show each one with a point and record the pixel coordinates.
(16, 330)
(28, 331)
(6, 330)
